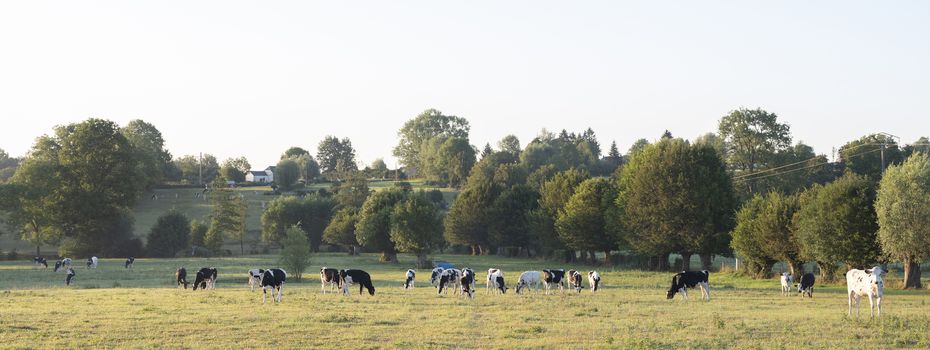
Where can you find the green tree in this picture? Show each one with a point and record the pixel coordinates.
(511, 217)
(752, 136)
(510, 144)
(295, 253)
(332, 152)
(234, 169)
(637, 147)
(286, 173)
(227, 219)
(198, 170)
(836, 223)
(352, 192)
(447, 160)
(8, 166)
(553, 195)
(585, 224)
(416, 227)
(149, 148)
(676, 197)
(903, 211)
(425, 126)
(309, 168)
(311, 214)
(764, 233)
(341, 230)
(921, 145)
(374, 222)
(170, 234)
(198, 233)
(294, 153)
(864, 156)
(379, 169)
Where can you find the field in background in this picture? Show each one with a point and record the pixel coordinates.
(115, 308)
(147, 210)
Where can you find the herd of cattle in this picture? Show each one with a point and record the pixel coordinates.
(859, 283)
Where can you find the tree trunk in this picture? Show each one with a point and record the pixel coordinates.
(707, 262)
(796, 268)
(826, 271)
(607, 261)
(686, 261)
(241, 246)
(423, 261)
(474, 250)
(389, 257)
(38, 250)
(911, 274)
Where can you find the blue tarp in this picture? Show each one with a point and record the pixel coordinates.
(445, 265)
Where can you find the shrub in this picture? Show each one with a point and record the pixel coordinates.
(295, 254)
(170, 234)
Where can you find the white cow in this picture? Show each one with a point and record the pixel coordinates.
(594, 279)
(866, 283)
(528, 279)
(92, 262)
(496, 281)
(255, 278)
(785, 283)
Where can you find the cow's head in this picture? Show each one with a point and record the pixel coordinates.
(876, 282)
(520, 285)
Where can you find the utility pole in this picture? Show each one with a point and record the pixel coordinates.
(200, 166)
(884, 145)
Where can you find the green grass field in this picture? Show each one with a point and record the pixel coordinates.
(114, 308)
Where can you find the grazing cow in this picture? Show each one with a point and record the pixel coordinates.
(594, 279)
(410, 276)
(206, 278)
(496, 281)
(450, 279)
(181, 276)
(255, 278)
(689, 279)
(70, 277)
(329, 276)
(40, 261)
(785, 283)
(868, 283)
(92, 262)
(574, 280)
(554, 277)
(435, 275)
(468, 282)
(129, 261)
(362, 278)
(57, 265)
(273, 279)
(806, 285)
(528, 279)
(62, 263)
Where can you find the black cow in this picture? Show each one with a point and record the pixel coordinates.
(553, 277)
(206, 278)
(40, 261)
(362, 278)
(574, 280)
(329, 276)
(806, 285)
(468, 282)
(273, 279)
(689, 279)
(181, 276)
(70, 277)
(129, 261)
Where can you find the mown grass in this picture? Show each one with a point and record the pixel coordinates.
(115, 308)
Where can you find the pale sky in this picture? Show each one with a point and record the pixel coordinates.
(251, 78)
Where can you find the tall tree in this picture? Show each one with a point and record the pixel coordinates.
(511, 217)
(294, 152)
(341, 229)
(586, 222)
(903, 211)
(764, 233)
(335, 155)
(149, 147)
(675, 197)
(295, 254)
(286, 173)
(510, 144)
(234, 169)
(836, 222)
(170, 234)
(416, 226)
(226, 220)
(309, 168)
(752, 137)
(373, 229)
(427, 125)
(864, 156)
(352, 192)
(447, 160)
(553, 195)
(8, 166)
(311, 214)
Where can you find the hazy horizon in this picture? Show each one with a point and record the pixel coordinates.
(252, 79)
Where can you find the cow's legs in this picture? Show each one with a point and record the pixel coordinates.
(705, 288)
(871, 307)
(684, 293)
(280, 292)
(264, 294)
(878, 305)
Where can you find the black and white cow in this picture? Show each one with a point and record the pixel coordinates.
(529, 279)
(129, 261)
(181, 276)
(865, 283)
(70, 277)
(689, 279)
(435, 275)
(273, 279)
(574, 280)
(62, 263)
(785, 280)
(496, 281)
(331, 277)
(450, 279)
(362, 278)
(409, 278)
(468, 282)
(553, 277)
(806, 285)
(594, 279)
(255, 278)
(40, 261)
(92, 262)
(206, 278)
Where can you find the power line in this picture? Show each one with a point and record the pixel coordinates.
(807, 167)
(796, 163)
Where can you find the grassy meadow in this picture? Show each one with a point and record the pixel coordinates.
(116, 308)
